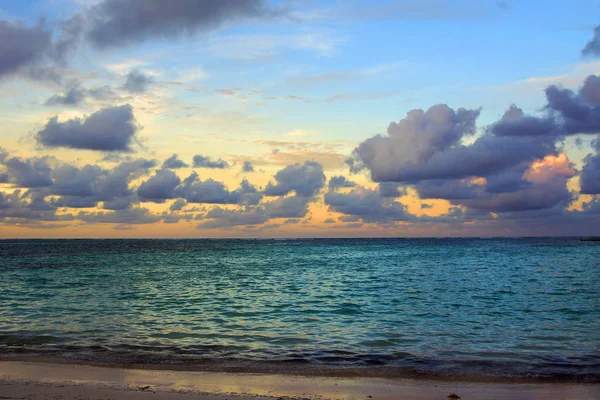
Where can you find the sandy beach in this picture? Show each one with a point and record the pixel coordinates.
(29, 380)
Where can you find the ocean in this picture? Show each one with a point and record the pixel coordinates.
(519, 308)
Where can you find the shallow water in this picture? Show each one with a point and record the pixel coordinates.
(472, 307)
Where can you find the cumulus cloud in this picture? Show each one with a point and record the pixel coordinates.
(247, 167)
(542, 185)
(201, 161)
(117, 23)
(174, 162)
(288, 207)
(194, 190)
(219, 218)
(27, 173)
(178, 205)
(24, 49)
(513, 168)
(413, 141)
(390, 189)
(593, 46)
(109, 129)
(137, 82)
(76, 95)
(89, 185)
(590, 173)
(160, 186)
(340, 182)
(130, 216)
(367, 205)
(305, 180)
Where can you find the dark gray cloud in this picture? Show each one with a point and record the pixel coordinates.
(447, 189)
(487, 155)
(77, 182)
(27, 173)
(514, 190)
(413, 141)
(76, 95)
(592, 48)
(174, 162)
(391, 189)
(24, 49)
(542, 196)
(21, 207)
(247, 167)
(117, 23)
(219, 218)
(160, 187)
(137, 82)
(194, 190)
(515, 123)
(340, 181)
(288, 207)
(590, 91)
(178, 205)
(72, 97)
(305, 180)
(417, 149)
(87, 186)
(130, 216)
(576, 115)
(590, 174)
(201, 161)
(368, 205)
(109, 129)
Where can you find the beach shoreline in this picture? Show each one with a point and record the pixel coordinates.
(33, 380)
(308, 370)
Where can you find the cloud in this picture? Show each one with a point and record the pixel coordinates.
(304, 179)
(201, 161)
(109, 129)
(590, 172)
(27, 208)
(513, 169)
(87, 186)
(159, 187)
(288, 207)
(174, 162)
(24, 49)
(72, 97)
(118, 23)
(540, 185)
(137, 82)
(593, 46)
(76, 95)
(413, 141)
(219, 218)
(29, 173)
(178, 205)
(390, 189)
(247, 166)
(127, 216)
(340, 182)
(194, 190)
(367, 205)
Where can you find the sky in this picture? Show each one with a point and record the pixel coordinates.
(289, 118)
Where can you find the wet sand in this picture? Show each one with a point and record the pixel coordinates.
(30, 380)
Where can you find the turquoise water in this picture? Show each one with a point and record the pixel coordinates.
(520, 308)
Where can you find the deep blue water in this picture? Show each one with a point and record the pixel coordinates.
(523, 308)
